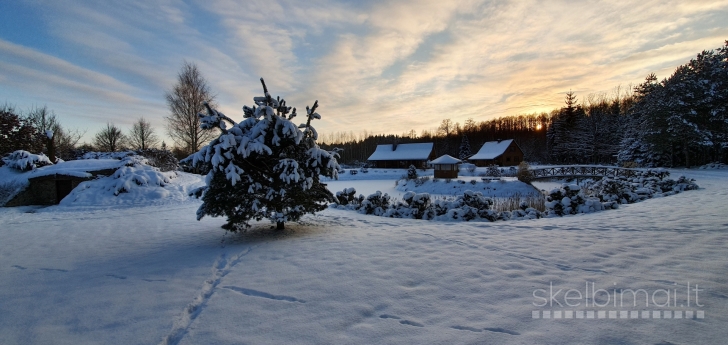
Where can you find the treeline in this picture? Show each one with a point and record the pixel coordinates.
(39, 131)
(679, 121)
(30, 131)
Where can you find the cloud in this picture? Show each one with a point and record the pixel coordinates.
(383, 66)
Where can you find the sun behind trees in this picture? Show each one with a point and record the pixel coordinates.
(264, 166)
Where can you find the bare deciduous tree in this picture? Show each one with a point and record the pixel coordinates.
(185, 101)
(63, 139)
(109, 139)
(142, 136)
(446, 127)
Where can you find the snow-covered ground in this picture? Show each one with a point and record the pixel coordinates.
(150, 273)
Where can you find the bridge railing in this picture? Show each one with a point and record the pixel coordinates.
(583, 171)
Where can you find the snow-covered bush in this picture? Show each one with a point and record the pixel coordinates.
(162, 159)
(347, 196)
(493, 171)
(608, 193)
(417, 206)
(469, 206)
(563, 200)
(24, 160)
(411, 172)
(608, 189)
(376, 204)
(264, 166)
(714, 166)
(524, 173)
(136, 172)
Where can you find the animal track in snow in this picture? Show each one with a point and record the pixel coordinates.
(19, 267)
(501, 330)
(404, 322)
(53, 270)
(220, 269)
(489, 329)
(116, 276)
(411, 323)
(256, 293)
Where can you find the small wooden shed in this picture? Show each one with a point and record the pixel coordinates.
(446, 166)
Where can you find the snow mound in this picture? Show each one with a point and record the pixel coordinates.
(134, 183)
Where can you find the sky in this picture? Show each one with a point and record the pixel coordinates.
(384, 67)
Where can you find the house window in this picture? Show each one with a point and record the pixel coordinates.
(508, 159)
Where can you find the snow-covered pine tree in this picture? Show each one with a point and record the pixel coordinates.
(464, 149)
(411, 172)
(265, 166)
(634, 147)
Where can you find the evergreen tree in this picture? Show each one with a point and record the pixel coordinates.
(15, 132)
(264, 166)
(564, 141)
(411, 172)
(634, 147)
(464, 149)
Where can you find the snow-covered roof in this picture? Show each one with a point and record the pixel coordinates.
(77, 168)
(445, 159)
(491, 149)
(419, 151)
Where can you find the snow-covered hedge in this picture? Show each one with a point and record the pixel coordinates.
(24, 160)
(714, 166)
(608, 193)
(569, 199)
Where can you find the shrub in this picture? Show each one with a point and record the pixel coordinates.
(411, 172)
(347, 196)
(24, 160)
(524, 173)
(493, 171)
(419, 205)
(375, 204)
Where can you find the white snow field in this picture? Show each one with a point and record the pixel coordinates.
(148, 273)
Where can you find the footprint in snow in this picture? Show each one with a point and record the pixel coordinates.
(411, 323)
(404, 322)
(502, 330)
(256, 293)
(466, 328)
(53, 270)
(115, 276)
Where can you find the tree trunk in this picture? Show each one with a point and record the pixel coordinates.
(280, 226)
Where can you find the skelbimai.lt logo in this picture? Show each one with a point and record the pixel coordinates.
(680, 302)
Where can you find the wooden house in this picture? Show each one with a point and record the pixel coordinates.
(402, 155)
(501, 153)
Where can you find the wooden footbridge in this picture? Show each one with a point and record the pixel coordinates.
(583, 171)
